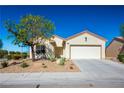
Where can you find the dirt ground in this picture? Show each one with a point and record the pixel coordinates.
(40, 66)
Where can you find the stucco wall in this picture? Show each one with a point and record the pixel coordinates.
(58, 41)
(80, 40)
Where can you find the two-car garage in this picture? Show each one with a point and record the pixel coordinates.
(85, 52)
(85, 45)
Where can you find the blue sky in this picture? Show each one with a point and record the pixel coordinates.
(69, 20)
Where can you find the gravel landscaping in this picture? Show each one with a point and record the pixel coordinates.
(39, 66)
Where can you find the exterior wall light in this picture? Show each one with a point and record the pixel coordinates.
(85, 39)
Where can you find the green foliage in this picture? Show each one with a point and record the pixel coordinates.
(19, 55)
(16, 56)
(24, 65)
(17, 52)
(29, 29)
(1, 44)
(52, 57)
(62, 61)
(9, 57)
(4, 64)
(121, 57)
(11, 52)
(24, 55)
(3, 53)
(122, 30)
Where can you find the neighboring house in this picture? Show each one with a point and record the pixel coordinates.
(115, 47)
(84, 45)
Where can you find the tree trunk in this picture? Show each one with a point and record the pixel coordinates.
(32, 51)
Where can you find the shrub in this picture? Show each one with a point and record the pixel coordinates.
(4, 64)
(9, 57)
(71, 67)
(62, 61)
(16, 56)
(24, 65)
(17, 52)
(24, 55)
(44, 66)
(121, 57)
(3, 53)
(11, 52)
(52, 58)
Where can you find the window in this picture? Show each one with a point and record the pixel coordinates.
(40, 49)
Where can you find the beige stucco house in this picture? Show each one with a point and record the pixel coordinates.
(83, 45)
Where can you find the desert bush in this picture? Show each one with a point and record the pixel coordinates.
(16, 56)
(44, 66)
(11, 52)
(24, 55)
(62, 61)
(4, 64)
(24, 65)
(71, 67)
(52, 58)
(17, 52)
(121, 57)
(9, 57)
(3, 53)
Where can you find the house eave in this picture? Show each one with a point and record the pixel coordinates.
(86, 31)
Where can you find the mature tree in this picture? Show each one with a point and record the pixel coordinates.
(122, 30)
(1, 44)
(29, 29)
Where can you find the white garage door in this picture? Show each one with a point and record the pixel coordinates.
(85, 52)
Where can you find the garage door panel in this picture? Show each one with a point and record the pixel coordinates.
(85, 52)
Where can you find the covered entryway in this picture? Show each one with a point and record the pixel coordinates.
(85, 52)
(58, 51)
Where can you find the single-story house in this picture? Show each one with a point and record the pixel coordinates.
(83, 45)
(115, 47)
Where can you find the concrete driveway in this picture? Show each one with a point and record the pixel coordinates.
(94, 73)
(101, 69)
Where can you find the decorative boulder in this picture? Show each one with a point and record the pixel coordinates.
(58, 61)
